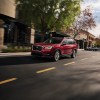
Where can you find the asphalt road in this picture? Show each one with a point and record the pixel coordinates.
(25, 78)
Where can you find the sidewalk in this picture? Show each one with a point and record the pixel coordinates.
(15, 54)
(81, 49)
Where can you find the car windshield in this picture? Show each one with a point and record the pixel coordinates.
(53, 40)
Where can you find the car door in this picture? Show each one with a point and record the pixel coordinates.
(68, 46)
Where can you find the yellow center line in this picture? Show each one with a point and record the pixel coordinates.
(84, 58)
(69, 63)
(45, 70)
(7, 81)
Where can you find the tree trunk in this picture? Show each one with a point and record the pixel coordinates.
(75, 33)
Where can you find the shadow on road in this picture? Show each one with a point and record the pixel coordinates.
(83, 84)
(79, 84)
(21, 60)
(67, 85)
(71, 83)
(18, 60)
(96, 96)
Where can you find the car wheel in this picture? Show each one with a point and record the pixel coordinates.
(73, 55)
(31, 53)
(56, 56)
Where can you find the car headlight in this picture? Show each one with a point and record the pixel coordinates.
(48, 47)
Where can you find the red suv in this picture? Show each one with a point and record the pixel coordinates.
(55, 47)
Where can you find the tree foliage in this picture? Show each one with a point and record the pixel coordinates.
(84, 21)
(47, 15)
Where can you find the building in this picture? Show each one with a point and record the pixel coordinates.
(7, 14)
(12, 31)
(90, 39)
(84, 38)
(97, 42)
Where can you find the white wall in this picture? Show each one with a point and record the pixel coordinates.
(8, 7)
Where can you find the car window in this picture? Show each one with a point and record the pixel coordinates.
(64, 42)
(70, 41)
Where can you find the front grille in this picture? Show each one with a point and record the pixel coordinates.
(37, 54)
(39, 48)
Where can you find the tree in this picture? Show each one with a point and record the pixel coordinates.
(84, 21)
(48, 15)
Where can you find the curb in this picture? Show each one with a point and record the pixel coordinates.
(15, 54)
(81, 49)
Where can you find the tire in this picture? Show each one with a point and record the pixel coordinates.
(73, 55)
(56, 56)
(31, 54)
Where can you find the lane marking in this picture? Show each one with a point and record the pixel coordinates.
(45, 70)
(69, 63)
(7, 81)
(83, 59)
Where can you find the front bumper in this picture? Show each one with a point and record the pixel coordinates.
(42, 54)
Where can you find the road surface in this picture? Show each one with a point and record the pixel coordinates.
(25, 78)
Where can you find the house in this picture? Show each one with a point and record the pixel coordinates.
(84, 38)
(97, 42)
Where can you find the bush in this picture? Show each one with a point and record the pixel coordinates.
(9, 49)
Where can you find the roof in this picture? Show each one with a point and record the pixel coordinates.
(59, 34)
(5, 17)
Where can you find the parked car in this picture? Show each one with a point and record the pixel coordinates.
(93, 49)
(55, 47)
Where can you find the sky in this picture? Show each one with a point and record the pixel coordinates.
(95, 6)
